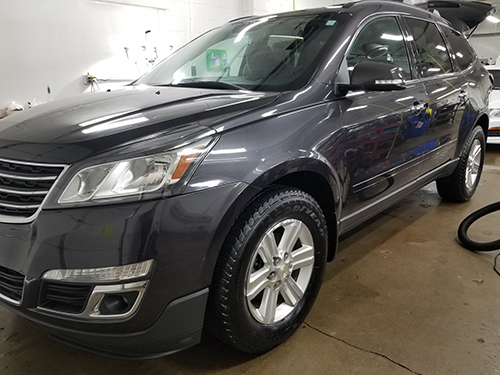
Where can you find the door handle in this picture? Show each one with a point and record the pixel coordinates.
(417, 107)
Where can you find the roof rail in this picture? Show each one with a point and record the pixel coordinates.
(410, 2)
(240, 18)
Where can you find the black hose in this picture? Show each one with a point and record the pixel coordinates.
(468, 221)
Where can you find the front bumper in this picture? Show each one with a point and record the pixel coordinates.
(181, 234)
(494, 131)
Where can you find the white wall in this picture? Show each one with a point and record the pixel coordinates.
(52, 44)
(486, 47)
(486, 40)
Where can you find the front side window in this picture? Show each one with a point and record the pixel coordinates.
(380, 40)
(275, 53)
(432, 54)
(462, 51)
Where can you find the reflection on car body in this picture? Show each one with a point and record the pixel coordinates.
(211, 192)
(494, 128)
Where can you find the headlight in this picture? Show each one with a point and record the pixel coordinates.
(133, 176)
(495, 113)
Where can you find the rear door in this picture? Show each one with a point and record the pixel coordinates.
(446, 89)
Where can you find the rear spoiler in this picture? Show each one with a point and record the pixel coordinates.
(463, 15)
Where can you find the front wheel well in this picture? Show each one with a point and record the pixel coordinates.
(484, 123)
(316, 186)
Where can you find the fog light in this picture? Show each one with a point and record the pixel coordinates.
(105, 274)
(116, 304)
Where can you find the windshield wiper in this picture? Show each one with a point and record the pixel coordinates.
(208, 85)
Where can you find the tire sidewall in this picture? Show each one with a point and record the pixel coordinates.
(477, 133)
(267, 336)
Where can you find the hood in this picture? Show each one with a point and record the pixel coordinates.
(463, 15)
(66, 131)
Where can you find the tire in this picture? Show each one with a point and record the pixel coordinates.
(468, 221)
(462, 184)
(266, 282)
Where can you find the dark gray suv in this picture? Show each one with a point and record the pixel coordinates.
(211, 192)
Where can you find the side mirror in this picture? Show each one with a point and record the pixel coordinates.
(376, 76)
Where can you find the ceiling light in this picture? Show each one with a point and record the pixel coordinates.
(493, 19)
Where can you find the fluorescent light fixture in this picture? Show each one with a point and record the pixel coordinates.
(405, 98)
(493, 19)
(391, 37)
(102, 119)
(439, 90)
(229, 151)
(357, 108)
(287, 37)
(270, 113)
(95, 275)
(243, 32)
(126, 121)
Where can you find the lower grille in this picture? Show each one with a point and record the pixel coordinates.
(67, 298)
(11, 285)
(494, 133)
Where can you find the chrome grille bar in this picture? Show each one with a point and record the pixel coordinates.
(23, 188)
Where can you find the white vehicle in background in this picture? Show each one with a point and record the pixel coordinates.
(494, 127)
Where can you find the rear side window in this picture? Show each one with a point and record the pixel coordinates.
(496, 77)
(433, 57)
(461, 49)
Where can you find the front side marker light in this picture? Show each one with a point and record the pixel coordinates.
(187, 157)
(105, 274)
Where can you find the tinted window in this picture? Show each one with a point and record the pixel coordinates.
(461, 48)
(380, 40)
(270, 53)
(496, 77)
(433, 55)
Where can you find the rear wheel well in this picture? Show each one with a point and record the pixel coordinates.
(316, 186)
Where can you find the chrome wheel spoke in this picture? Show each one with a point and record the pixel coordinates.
(303, 257)
(291, 235)
(476, 154)
(268, 306)
(268, 249)
(257, 282)
(473, 164)
(469, 180)
(279, 274)
(291, 292)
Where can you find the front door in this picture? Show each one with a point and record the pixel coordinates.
(384, 132)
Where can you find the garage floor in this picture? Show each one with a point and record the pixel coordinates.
(402, 297)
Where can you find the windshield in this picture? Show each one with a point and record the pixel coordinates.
(275, 53)
(496, 77)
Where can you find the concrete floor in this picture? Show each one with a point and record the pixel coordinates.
(402, 297)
